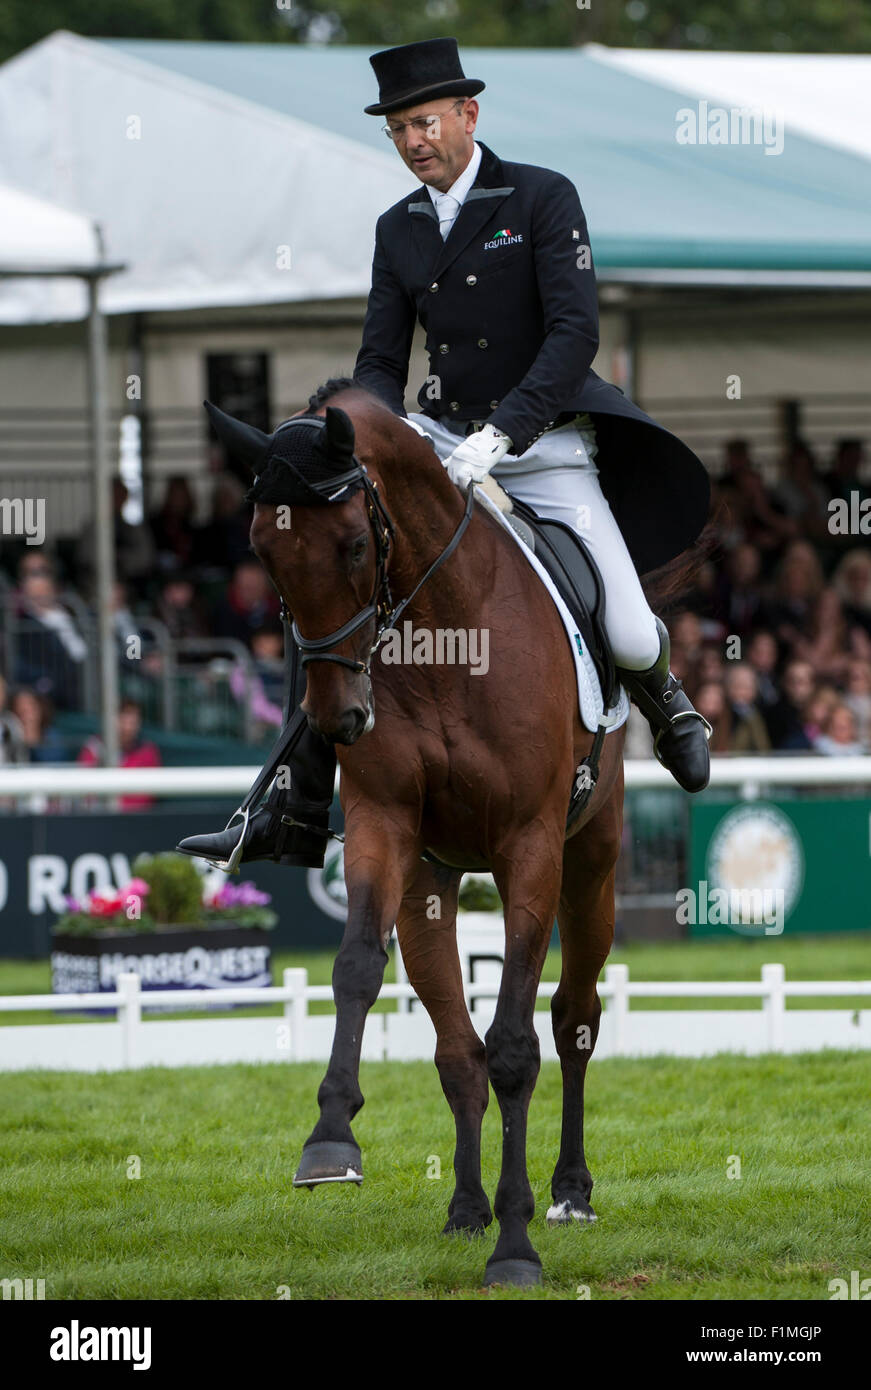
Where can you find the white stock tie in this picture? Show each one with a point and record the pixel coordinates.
(448, 208)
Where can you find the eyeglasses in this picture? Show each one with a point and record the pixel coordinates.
(423, 125)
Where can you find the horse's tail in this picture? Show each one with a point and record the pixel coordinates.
(665, 587)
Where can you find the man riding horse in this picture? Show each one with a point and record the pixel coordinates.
(493, 259)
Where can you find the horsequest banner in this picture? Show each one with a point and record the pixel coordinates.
(45, 857)
(765, 867)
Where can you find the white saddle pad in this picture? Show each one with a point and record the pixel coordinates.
(590, 702)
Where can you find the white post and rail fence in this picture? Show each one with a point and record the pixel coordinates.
(298, 1034)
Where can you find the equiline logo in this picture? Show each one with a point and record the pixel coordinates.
(503, 238)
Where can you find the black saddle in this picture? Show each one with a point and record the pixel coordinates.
(576, 575)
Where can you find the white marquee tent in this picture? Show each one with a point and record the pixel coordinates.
(209, 198)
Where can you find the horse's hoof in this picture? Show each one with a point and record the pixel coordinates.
(329, 1161)
(468, 1226)
(518, 1272)
(564, 1213)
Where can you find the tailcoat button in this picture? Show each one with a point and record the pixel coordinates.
(455, 405)
(444, 347)
(482, 342)
(433, 289)
(471, 279)
(493, 405)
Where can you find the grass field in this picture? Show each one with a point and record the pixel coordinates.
(213, 1214)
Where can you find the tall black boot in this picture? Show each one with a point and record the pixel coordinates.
(292, 826)
(680, 733)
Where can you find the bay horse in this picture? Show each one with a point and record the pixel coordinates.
(476, 770)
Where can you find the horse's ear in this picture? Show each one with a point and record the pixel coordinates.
(340, 433)
(243, 442)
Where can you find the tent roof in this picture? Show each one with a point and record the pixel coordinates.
(257, 178)
(608, 121)
(39, 236)
(826, 97)
(39, 239)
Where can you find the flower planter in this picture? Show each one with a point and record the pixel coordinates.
(220, 956)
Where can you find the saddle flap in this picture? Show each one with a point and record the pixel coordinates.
(576, 575)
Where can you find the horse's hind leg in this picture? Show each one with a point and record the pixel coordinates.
(586, 928)
(427, 937)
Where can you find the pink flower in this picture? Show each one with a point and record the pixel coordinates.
(105, 903)
(138, 887)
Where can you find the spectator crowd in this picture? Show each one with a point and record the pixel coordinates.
(772, 638)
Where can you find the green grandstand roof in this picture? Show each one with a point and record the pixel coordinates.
(651, 203)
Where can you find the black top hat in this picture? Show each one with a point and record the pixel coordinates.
(416, 72)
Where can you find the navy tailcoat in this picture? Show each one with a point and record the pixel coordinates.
(509, 306)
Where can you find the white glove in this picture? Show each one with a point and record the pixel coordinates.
(472, 460)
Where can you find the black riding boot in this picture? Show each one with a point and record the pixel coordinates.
(680, 733)
(291, 826)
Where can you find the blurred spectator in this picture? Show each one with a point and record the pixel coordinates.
(852, 583)
(739, 595)
(12, 746)
(818, 710)
(42, 742)
(858, 699)
(267, 647)
(762, 654)
(801, 493)
(50, 649)
(711, 702)
(798, 585)
(710, 665)
(172, 526)
(133, 751)
(826, 650)
(685, 630)
(744, 492)
(250, 602)
(839, 737)
(224, 538)
(179, 609)
(134, 547)
(784, 720)
(843, 477)
(749, 733)
(264, 685)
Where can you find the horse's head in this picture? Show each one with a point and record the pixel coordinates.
(321, 535)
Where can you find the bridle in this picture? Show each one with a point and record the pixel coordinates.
(381, 608)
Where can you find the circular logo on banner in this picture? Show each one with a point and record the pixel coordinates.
(326, 886)
(755, 855)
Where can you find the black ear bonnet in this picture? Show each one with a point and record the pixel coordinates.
(307, 461)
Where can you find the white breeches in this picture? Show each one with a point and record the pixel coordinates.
(558, 477)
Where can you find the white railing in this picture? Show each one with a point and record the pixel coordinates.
(64, 780)
(298, 1035)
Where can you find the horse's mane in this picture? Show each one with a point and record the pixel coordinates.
(331, 387)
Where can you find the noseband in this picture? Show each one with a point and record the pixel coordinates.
(380, 607)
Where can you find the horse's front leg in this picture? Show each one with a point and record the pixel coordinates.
(380, 860)
(528, 879)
